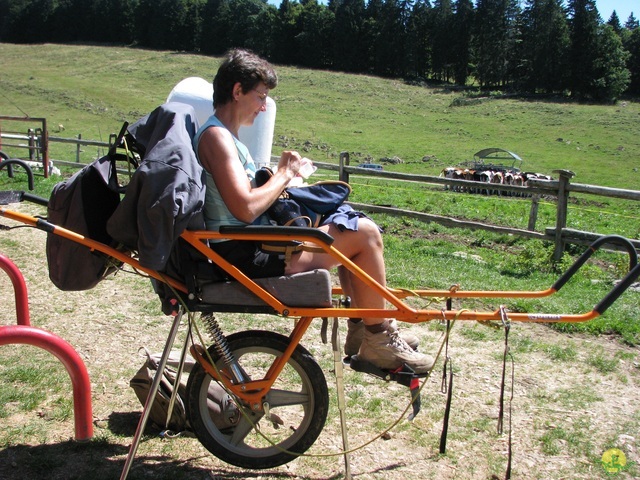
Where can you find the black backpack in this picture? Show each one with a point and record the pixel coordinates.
(82, 204)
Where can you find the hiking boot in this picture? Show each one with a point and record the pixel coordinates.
(387, 350)
(355, 334)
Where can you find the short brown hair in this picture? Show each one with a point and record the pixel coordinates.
(242, 66)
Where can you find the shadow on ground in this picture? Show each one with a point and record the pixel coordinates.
(101, 459)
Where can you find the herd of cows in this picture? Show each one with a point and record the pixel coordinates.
(491, 176)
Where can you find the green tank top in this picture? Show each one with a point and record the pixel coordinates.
(216, 213)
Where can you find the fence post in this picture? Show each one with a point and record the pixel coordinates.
(78, 148)
(561, 216)
(44, 147)
(533, 213)
(32, 143)
(344, 160)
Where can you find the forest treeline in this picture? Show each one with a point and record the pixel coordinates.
(530, 47)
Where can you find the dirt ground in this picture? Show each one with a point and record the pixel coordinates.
(574, 397)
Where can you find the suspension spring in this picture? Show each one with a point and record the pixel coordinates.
(221, 345)
(217, 338)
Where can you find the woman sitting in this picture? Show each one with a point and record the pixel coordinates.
(241, 87)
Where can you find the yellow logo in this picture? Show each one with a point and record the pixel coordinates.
(614, 460)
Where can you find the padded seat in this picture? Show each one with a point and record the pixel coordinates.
(307, 289)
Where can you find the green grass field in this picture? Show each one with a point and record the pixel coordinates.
(90, 90)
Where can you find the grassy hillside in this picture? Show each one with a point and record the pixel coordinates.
(91, 90)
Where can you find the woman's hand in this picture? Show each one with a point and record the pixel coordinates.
(290, 163)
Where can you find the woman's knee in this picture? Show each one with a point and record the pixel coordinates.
(366, 238)
(370, 231)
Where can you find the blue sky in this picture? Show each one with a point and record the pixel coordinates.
(605, 7)
(622, 7)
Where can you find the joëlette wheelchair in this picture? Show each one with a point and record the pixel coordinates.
(280, 395)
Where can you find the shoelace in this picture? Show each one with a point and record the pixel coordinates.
(395, 340)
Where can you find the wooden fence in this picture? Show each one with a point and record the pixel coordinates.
(36, 139)
(36, 142)
(559, 189)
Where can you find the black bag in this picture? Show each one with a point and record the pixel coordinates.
(305, 206)
(82, 204)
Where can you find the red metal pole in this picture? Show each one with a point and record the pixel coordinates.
(19, 288)
(62, 350)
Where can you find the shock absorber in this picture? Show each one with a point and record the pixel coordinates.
(221, 345)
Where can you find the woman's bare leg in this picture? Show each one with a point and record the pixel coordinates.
(365, 248)
(381, 345)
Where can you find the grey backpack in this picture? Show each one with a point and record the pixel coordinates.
(82, 204)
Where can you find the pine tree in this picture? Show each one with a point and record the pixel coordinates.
(29, 21)
(462, 27)
(631, 23)
(442, 39)
(611, 77)
(495, 39)
(419, 40)
(614, 21)
(391, 41)
(285, 30)
(584, 46)
(314, 41)
(349, 49)
(215, 15)
(597, 58)
(632, 45)
(371, 31)
(545, 47)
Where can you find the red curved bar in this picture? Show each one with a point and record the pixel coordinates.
(20, 289)
(72, 362)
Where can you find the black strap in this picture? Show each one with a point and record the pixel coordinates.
(448, 389)
(509, 445)
(118, 140)
(447, 410)
(502, 382)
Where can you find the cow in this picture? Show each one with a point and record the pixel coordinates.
(497, 179)
(485, 176)
(453, 173)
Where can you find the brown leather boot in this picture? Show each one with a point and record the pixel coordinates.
(389, 351)
(355, 334)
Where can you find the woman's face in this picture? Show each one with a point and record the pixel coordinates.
(253, 102)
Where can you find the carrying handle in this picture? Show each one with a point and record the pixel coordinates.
(608, 239)
(114, 146)
(617, 290)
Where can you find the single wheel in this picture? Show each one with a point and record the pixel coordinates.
(298, 405)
